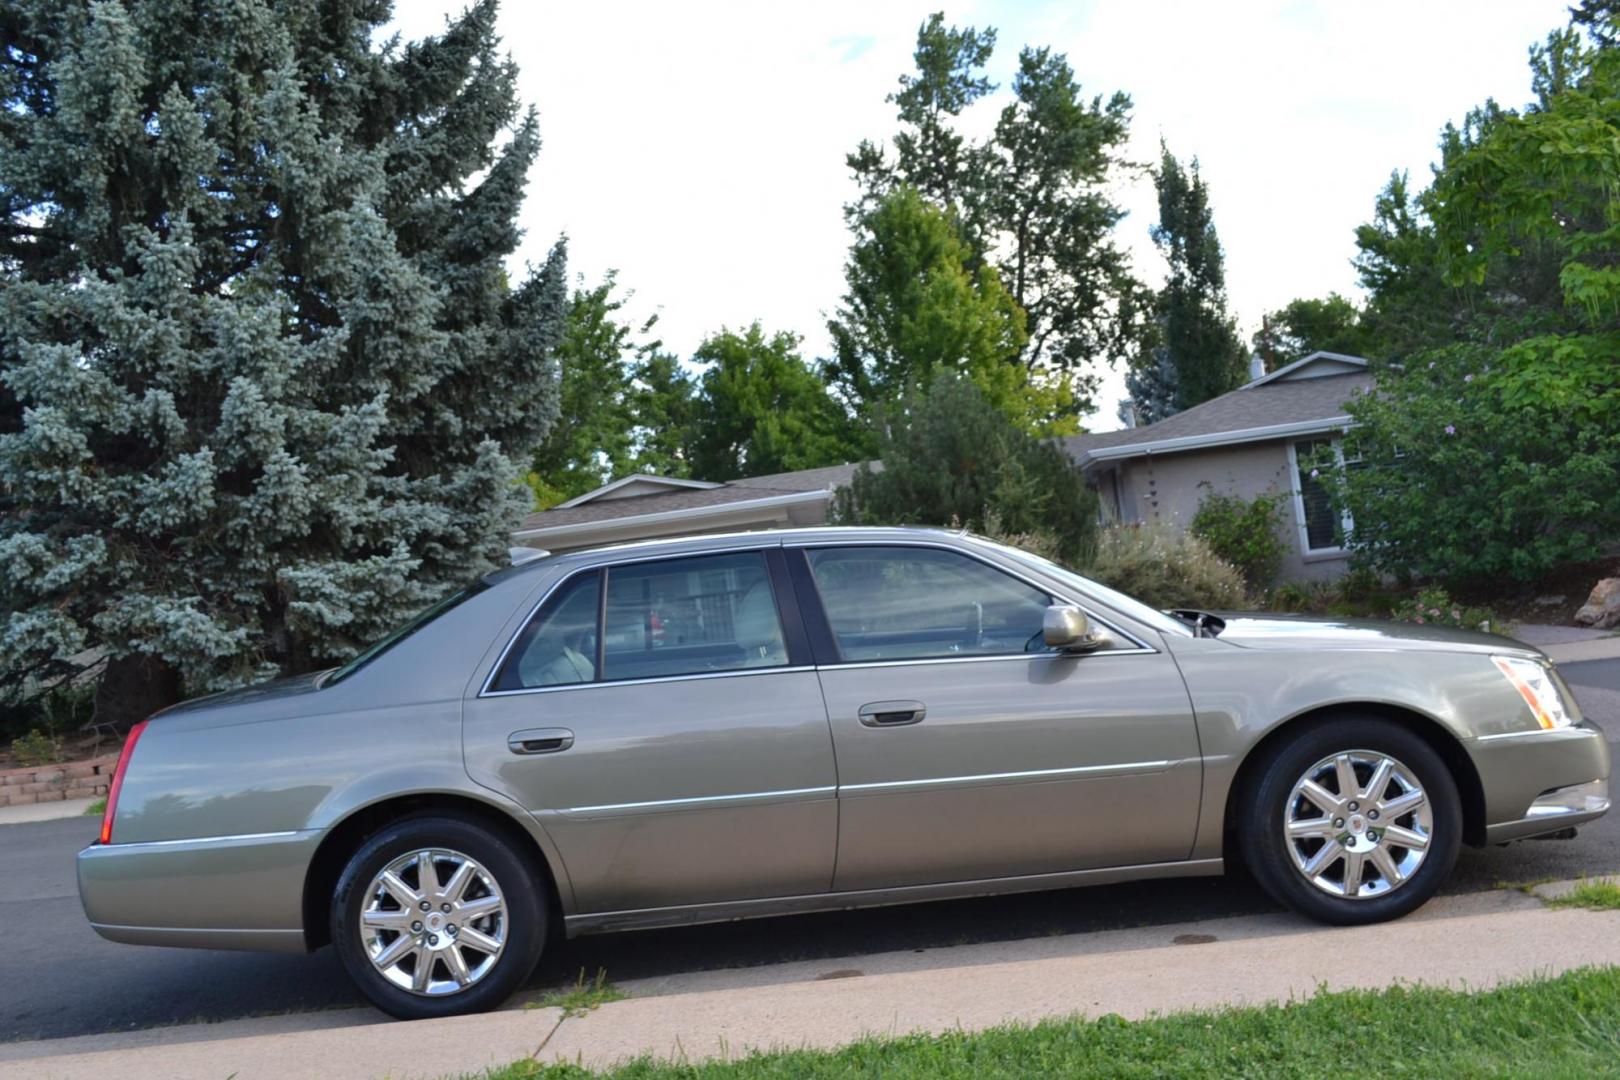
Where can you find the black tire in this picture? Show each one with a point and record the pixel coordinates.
(1264, 805)
(519, 886)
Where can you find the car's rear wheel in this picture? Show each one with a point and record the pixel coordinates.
(437, 916)
(1354, 820)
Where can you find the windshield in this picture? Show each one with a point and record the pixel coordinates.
(405, 631)
(1112, 597)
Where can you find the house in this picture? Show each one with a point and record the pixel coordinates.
(1246, 443)
(642, 507)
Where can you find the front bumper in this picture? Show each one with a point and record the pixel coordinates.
(217, 892)
(1541, 782)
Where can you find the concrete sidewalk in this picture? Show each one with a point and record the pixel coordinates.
(1473, 941)
(45, 811)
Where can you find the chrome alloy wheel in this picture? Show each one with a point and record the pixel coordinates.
(434, 922)
(1358, 824)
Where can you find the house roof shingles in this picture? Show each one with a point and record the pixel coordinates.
(755, 487)
(1273, 404)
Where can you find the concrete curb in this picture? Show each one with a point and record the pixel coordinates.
(1573, 652)
(1473, 942)
(1557, 890)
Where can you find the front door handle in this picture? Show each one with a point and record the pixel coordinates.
(548, 740)
(892, 713)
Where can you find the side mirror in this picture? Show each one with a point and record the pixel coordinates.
(1066, 627)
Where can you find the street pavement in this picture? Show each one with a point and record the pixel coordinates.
(62, 980)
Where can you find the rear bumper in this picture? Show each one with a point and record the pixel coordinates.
(218, 892)
(1542, 781)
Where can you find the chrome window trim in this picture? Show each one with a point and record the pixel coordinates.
(845, 665)
(605, 683)
(1085, 605)
(602, 568)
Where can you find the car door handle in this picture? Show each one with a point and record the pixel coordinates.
(892, 713)
(548, 740)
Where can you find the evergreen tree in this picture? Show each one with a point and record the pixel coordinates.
(263, 378)
(1150, 388)
(763, 410)
(1193, 328)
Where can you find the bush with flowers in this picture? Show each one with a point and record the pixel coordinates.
(1434, 606)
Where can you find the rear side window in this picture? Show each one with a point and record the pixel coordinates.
(689, 616)
(914, 603)
(558, 647)
(709, 613)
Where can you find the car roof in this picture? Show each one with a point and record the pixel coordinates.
(685, 545)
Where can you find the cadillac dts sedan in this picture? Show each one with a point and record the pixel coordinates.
(728, 726)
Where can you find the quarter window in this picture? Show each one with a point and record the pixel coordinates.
(558, 647)
(905, 603)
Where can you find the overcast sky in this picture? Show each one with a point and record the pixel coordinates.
(698, 148)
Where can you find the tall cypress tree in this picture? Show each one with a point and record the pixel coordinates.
(1193, 331)
(262, 373)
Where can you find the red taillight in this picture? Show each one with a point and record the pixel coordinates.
(118, 780)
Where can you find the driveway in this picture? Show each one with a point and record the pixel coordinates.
(63, 980)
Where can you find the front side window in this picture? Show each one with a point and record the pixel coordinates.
(905, 603)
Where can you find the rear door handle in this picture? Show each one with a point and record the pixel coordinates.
(892, 713)
(548, 740)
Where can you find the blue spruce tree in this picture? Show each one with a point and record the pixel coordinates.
(263, 376)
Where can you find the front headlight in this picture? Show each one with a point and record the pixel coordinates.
(1534, 682)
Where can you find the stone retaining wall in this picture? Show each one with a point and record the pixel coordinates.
(53, 783)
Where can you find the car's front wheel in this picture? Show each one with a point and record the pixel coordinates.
(437, 916)
(1354, 820)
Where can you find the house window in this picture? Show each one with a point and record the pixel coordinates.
(1322, 528)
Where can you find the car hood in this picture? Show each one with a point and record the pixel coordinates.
(1307, 633)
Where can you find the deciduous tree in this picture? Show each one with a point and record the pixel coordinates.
(1033, 199)
(762, 409)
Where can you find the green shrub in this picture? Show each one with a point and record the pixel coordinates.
(1165, 568)
(950, 455)
(1245, 532)
(36, 748)
(1290, 596)
(1434, 606)
(1469, 472)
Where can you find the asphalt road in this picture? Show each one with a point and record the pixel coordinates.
(57, 978)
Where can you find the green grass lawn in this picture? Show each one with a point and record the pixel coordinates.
(1563, 1027)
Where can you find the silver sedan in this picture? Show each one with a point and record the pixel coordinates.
(722, 727)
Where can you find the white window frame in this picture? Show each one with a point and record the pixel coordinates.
(1346, 523)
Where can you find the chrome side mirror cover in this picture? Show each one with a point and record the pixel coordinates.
(1065, 627)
